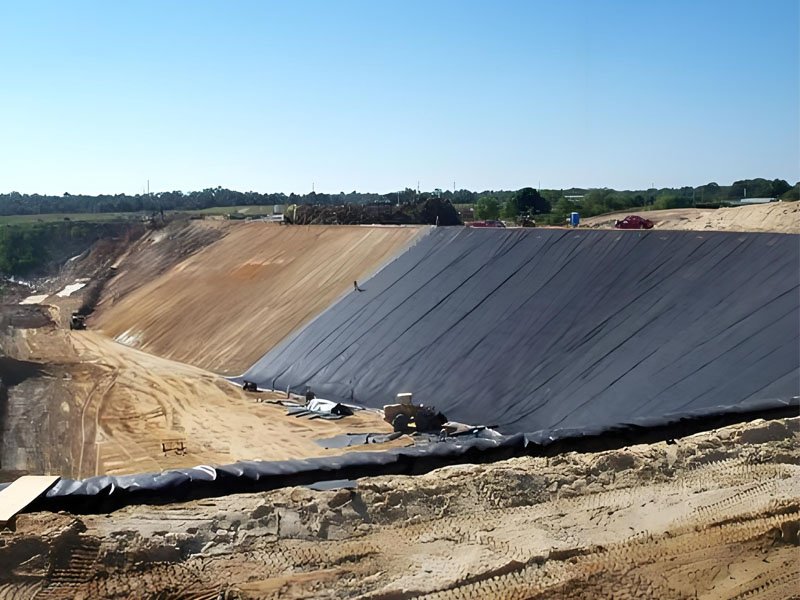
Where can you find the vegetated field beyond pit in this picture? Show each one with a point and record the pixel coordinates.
(247, 211)
(54, 217)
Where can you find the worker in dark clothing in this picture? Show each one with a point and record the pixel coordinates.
(356, 288)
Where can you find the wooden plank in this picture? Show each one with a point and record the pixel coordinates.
(22, 492)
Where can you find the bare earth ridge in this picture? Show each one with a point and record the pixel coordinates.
(779, 217)
(225, 305)
(715, 515)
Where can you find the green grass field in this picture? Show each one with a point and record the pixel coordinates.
(51, 218)
(249, 211)
(244, 211)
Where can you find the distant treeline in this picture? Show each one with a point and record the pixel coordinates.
(33, 248)
(589, 202)
(594, 201)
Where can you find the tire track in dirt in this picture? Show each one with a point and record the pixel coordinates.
(679, 526)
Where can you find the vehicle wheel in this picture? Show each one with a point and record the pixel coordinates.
(400, 423)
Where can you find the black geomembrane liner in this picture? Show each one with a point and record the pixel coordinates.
(565, 339)
(551, 329)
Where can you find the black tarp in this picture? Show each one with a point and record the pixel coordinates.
(550, 330)
(108, 492)
(584, 340)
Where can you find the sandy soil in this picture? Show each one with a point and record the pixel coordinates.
(781, 217)
(225, 305)
(99, 407)
(714, 515)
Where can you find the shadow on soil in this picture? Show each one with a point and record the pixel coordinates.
(13, 372)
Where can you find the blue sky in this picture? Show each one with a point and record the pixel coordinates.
(99, 97)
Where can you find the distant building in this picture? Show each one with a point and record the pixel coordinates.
(753, 201)
(574, 198)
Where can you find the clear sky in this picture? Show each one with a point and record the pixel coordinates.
(99, 97)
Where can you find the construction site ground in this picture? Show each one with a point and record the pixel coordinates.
(715, 515)
(108, 408)
(782, 217)
(711, 516)
(223, 306)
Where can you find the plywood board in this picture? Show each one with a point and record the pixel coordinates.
(22, 492)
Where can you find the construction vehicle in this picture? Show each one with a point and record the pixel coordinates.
(407, 417)
(77, 321)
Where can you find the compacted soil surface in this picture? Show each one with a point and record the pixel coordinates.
(714, 515)
(778, 217)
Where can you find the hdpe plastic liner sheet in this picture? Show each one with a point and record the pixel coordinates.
(564, 339)
(106, 492)
(543, 330)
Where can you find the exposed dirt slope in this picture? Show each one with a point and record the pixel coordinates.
(780, 217)
(224, 306)
(712, 516)
(161, 249)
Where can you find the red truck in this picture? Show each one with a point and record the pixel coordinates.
(633, 222)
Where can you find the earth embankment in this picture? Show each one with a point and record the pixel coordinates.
(713, 516)
(225, 304)
(779, 217)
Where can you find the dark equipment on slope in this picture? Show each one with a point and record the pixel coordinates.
(404, 414)
(249, 386)
(77, 321)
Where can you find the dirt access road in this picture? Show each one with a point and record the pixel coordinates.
(92, 406)
(778, 217)
(711, 516)
(251, 285)
(99, 407)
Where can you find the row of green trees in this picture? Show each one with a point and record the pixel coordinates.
(31, 247)
(31, 204)
(553, 206)
(595, 201)
(526, 201)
